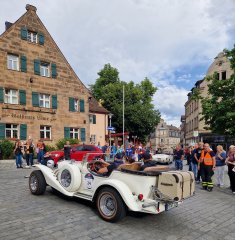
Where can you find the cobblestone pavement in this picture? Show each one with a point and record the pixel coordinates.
(25, 216)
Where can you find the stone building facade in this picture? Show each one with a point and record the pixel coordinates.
(165, 138)
(195, 127)
(40, 94)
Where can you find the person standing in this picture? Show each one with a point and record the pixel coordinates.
(41, 151)
(194, 163)
(99, 146)
(67, 151)
(18, 153)
(197, 156)
(230, 161)
(129, 151)
(29, 151)
(207, 167)
(178, 156)
(113, 150)
(220, 158)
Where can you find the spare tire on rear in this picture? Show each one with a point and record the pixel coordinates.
(70, 177)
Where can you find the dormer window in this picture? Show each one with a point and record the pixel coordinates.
(32, 37)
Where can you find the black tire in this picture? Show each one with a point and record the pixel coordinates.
(119, 207)
(37, 183)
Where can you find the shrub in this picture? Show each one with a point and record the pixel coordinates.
(50, 148)
(60, 144)
(7, 148)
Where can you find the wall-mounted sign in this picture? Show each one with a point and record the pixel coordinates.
(28, 117)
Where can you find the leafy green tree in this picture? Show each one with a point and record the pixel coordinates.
(141, 117)
(218, 109)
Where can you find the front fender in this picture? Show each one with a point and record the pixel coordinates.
(51, 179)
(125, 192)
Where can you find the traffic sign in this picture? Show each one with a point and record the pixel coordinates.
(110, 128)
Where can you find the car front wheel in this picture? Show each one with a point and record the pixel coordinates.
(110, 205)
(37, 183)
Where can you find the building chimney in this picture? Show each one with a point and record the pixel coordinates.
(8, 25)
(30, 8)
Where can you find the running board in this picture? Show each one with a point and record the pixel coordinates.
(83, 196)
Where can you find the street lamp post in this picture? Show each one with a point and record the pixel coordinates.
(134, 139)
(110, 125)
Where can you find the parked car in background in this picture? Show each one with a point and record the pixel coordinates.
(163, 158)
(77, 153)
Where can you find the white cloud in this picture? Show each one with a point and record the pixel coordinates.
(170, 100)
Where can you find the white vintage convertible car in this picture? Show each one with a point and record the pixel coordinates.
(163, 158)
(154, 190)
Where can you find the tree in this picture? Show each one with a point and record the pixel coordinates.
(218, 109)
(140, 115)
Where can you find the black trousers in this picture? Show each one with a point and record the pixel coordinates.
(206, 174)
(231, 175)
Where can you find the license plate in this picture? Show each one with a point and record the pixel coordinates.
(169, 206)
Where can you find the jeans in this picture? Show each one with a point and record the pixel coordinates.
(18, 160)
(194, 169)
(179, 164)
(41, 157)
(29, 159)
(219, 174)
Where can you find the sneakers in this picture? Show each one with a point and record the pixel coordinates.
(209, 189)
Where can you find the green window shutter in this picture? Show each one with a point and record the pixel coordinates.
(82, 105)
(23, 131)
(71, 105)
(1, 95)
(24, 33)
(83, 134)
(2, 130)
(35, 99)
(54, 101)
(23, 63)
(66, 132)
(94, 119)
(41, 38)
(53, 70)
(22, 97)
(36, 66)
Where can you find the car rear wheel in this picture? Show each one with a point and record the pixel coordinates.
(37, 183)
(110, 205)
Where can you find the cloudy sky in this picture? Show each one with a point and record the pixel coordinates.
(172, 42)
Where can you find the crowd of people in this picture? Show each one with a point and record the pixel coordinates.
(201, 159)
(27, 150)
(204, 163)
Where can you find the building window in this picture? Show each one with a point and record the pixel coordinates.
(32, 37)
(93, 139)
(224, 75)
(45, 132)
(74, 133)
(11, 96)
(11, 131)
(44, 100)
(76, 105)
(13, 62)
(44, 69)
(217, 76)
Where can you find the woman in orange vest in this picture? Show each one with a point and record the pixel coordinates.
(207, 167)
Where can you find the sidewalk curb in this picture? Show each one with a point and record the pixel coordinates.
(7, 161)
